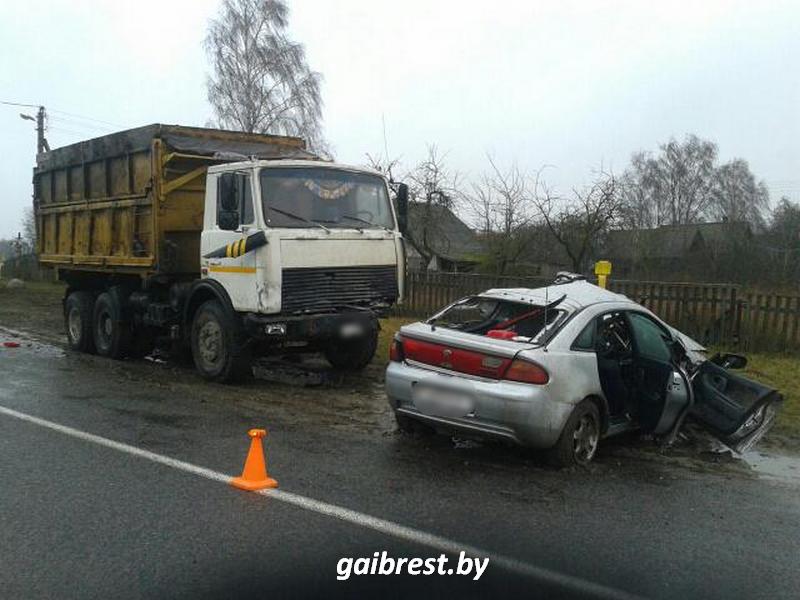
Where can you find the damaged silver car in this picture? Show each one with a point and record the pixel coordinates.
(564, 366)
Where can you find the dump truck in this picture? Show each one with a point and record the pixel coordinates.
(229, 245)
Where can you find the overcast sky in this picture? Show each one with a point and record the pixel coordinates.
(568, 84)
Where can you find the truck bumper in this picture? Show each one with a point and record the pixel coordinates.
(310, 328)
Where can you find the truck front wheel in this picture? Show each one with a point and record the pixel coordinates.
(352, 355)
(219, 345)
(112, 333)
(78, 321)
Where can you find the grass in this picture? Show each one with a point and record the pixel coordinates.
(35, 307)
(389, 327)
(782, 372)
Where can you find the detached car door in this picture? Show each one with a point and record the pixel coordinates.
(734, 409)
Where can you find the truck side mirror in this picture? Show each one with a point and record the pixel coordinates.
(402, 207)
(228, 201)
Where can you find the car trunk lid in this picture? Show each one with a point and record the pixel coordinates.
(458, 351)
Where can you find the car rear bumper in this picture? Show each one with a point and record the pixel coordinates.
(520, 413)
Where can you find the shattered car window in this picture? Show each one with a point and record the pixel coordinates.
(480, 316)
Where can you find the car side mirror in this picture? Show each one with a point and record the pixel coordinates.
(402, 207)
(228, 201)
(729, 361)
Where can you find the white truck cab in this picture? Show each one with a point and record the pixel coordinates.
(330, 235)
(308, 252)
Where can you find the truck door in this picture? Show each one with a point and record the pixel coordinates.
(230, 218)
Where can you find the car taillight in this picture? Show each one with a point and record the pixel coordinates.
(396, 350)
(526, 372)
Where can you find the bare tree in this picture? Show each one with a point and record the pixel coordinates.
(261, 82)
(737, 196)
(434, 189)
(29, 230)
(672, 188)
(578, 223)
(382, 163)
(502, 206)
(784, 241)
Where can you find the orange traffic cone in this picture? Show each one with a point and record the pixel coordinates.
(254, 477)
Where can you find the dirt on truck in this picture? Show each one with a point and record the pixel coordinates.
(228, 244)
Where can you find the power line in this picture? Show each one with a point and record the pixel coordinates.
(75, 116)
(19, 104)
(77, 124)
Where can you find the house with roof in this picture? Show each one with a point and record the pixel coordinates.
(673, 252)
(439, 241)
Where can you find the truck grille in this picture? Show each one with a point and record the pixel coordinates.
(323, 288)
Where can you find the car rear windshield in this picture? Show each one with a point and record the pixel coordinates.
(490, 316)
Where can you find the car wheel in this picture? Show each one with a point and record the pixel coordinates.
(112, 333)
(219, 347)
(78, 321)
(580, 437)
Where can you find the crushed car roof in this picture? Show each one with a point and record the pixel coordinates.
(579, 294)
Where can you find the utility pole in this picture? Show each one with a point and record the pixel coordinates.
(41, 141)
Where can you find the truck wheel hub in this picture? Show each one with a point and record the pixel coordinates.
(74, 323)
(210, 342)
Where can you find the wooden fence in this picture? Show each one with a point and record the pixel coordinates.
(714, 314)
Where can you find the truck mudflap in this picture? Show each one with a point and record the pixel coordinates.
(311, 328)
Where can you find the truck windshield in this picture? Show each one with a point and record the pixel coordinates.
(295, 196)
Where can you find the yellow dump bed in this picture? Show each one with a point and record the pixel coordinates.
(132, 201)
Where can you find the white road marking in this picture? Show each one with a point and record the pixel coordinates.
(567, 582)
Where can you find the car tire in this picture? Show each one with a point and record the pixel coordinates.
(78, 310)
(111, 331)
(220, 348)
(352, 355)
(578, 442)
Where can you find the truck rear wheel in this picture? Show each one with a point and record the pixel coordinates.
(78, 321)
(112, 333)
(219, 345)
(352, 355)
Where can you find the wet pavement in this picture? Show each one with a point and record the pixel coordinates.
(78, 520)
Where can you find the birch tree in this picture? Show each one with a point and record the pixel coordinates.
(261, 82)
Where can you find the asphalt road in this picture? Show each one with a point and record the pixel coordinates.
(83, 520)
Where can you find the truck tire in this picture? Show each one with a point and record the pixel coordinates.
(579, 439)
(78, 309)
(220, 347)
(112, 333)
(352, 355)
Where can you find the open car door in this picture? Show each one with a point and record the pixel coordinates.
(735, 410)
(662, 389)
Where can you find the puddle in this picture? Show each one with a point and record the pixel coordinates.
(774, 466)
(26, 340)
